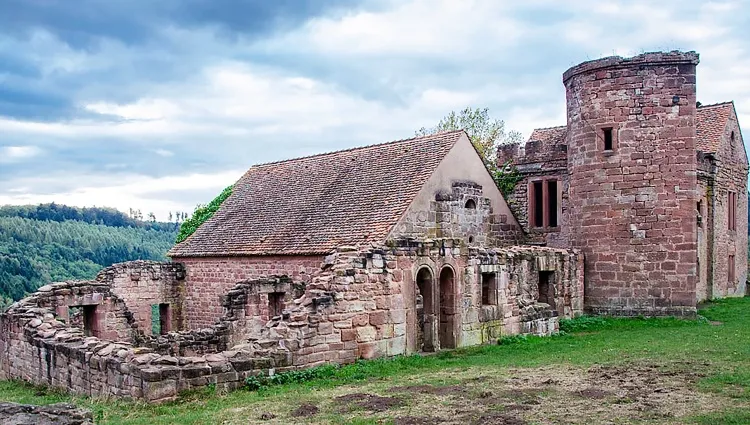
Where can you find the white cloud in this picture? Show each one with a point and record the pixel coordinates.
(137, 192)
(10, 154)
(353, 79)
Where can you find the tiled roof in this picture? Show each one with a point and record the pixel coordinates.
(551, 135)
(314, 204)
(710, 123)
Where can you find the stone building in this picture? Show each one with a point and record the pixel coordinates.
(647, 183)
(637, 206)
(390, 249)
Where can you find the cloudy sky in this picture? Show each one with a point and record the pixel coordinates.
(157, 105)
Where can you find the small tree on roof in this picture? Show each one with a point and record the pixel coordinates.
(486, 134)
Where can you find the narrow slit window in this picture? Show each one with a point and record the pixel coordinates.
(537, 205)
(608, 142)
(732, 210)
(730, 271)
(552, 203)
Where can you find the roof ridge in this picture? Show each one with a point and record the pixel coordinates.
(356, 148)
(712, 105)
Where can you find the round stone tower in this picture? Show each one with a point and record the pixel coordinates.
(633, 189)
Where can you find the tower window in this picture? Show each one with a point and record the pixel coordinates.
(470, 204)
(608, 141)
(543, 203)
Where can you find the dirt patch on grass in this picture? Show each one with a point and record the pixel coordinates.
(305, 410)
(371, 402)
(417, 420)
(456, 390)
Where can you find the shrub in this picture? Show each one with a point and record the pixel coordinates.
(201, 214)
(259, 382)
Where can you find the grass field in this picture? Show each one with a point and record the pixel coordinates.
(612, 371)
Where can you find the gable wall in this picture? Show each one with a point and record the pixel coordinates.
(438, 211)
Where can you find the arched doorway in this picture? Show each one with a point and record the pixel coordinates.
(425, 308)
(448, 309)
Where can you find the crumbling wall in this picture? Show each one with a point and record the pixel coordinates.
(360, 303)
(208, 279)
(464, 213)
(38, 347)
(145, 284)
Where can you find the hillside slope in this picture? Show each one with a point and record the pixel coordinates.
(51, 243)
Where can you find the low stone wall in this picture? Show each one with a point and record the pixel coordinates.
(53, 414)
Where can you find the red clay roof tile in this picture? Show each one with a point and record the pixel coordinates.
(314, 204)
(710, 123)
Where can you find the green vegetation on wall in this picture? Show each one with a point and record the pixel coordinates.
(201, 214)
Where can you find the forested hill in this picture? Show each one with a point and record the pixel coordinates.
(48, 243)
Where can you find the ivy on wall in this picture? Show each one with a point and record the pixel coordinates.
(201, 214)
(506, 178)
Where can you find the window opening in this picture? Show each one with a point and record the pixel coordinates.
(607, 139)
(547, 288)
(470, 204)
(489, 289)
(275, 304)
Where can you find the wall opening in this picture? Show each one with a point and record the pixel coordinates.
(543, 203)
(547, 288)
(470, 204)
(537, 205)
(608, 139)
(732, 145)
(275, 304)
(552, 203)
(425, 311)
(447, 308)
(90, 321)
(489, 289)
(161, 319)
(730, 271)
(732, 210)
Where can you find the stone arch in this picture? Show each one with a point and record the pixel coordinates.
(425, 309)
(448, 307)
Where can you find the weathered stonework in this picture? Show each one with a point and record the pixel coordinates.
(644, 179)
(210, 278)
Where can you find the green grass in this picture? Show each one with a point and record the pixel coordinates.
(721, 352)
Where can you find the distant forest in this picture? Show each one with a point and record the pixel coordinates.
(48, 243)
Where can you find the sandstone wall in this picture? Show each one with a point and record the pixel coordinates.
(208, 279)
(144, 284)
(730, 175)
(539, 161)
(633, 208)
(464, 213)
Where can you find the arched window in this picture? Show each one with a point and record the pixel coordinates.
(470, 204)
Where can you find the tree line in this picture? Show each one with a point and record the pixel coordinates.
(50, 242)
